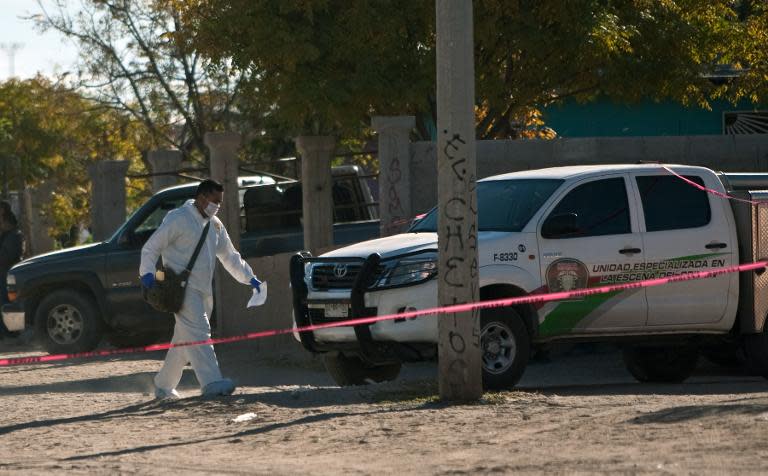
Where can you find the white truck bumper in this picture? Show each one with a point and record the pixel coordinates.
(390, 301)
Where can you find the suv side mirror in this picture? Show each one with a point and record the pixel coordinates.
(560, 225)
(125, 240)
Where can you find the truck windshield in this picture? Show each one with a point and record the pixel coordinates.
(503, 205)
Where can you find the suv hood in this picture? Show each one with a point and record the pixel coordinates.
(68, 253)
(388, 246)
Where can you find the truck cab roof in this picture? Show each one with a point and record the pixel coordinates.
(577, 171)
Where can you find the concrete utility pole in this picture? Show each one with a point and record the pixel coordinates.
(10, 50)
(460, 375)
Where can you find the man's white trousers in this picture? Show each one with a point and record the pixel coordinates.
(191, 325)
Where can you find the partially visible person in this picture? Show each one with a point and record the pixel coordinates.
(11, 250)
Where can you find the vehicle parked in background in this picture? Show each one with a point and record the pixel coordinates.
(73, 297)
(551, 230)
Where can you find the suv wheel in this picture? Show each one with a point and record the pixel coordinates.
(67, 321)
(505, 346)
(349, 370)
(661, 364)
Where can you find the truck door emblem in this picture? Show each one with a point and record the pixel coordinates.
(567, 274)
(340, 270)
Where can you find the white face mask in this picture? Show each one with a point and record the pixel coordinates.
(212, 209)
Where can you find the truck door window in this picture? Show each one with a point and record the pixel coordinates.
(152, 221)
(670, 204)
(503, 205)
(598, 208)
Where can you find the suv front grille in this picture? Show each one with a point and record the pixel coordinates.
(334, 276)
(340, 275)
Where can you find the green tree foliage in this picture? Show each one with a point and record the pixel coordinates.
(321, 66)
(326, 65)
(50, 133)
(129, 62)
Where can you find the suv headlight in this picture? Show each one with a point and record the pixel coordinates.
(410, 270)
(11, 280)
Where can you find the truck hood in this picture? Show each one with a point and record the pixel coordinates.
(388, 246)
(68, 253)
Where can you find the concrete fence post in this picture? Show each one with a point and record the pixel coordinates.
(317, 188)
(394, 172)
(39, 239)
(223, 147)
(163, 161)
(107, 197)
(224, 169)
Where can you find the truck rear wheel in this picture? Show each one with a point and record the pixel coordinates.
(756, 350)
(661, 364)
(350, 370)
(505, 346)
(68, 321)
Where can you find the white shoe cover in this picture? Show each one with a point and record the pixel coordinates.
(219, 387)
(162, 394)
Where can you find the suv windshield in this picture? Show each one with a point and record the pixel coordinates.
(503, 205)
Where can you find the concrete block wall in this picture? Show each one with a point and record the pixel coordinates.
(276, 313)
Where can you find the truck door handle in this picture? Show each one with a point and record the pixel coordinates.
(715, 246)
(629, 251)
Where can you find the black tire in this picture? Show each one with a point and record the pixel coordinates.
(68, 321)
(506, 347)
(729, 356)
(661, 364)
(350, 370)
(756, 351)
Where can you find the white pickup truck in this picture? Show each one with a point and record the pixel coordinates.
(559, 229)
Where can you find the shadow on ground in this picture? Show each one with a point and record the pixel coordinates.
(696, 412)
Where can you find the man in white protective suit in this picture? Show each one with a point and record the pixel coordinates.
(175, 240)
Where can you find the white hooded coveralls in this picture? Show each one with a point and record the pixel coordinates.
(175, 241)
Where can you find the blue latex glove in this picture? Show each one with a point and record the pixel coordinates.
(148, 280)
(256, 284)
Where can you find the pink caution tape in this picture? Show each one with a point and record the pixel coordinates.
(531, 299)
(712, 191)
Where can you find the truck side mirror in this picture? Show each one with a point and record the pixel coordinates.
(560, 225)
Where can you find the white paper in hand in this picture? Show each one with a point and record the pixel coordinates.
(258, 298)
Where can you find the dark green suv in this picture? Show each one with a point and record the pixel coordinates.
(76, 296)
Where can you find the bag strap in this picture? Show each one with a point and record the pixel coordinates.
(197, 248)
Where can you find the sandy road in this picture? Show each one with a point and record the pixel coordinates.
(579, 413)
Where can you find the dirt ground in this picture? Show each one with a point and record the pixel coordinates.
(579, 413)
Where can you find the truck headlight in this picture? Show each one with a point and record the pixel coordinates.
(409, 271)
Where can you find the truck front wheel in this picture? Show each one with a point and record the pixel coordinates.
(661, 364)
(351, 370)
(67, 321)
(505, 347)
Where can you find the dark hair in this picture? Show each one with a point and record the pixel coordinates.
(208, 186)
(8, 215)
